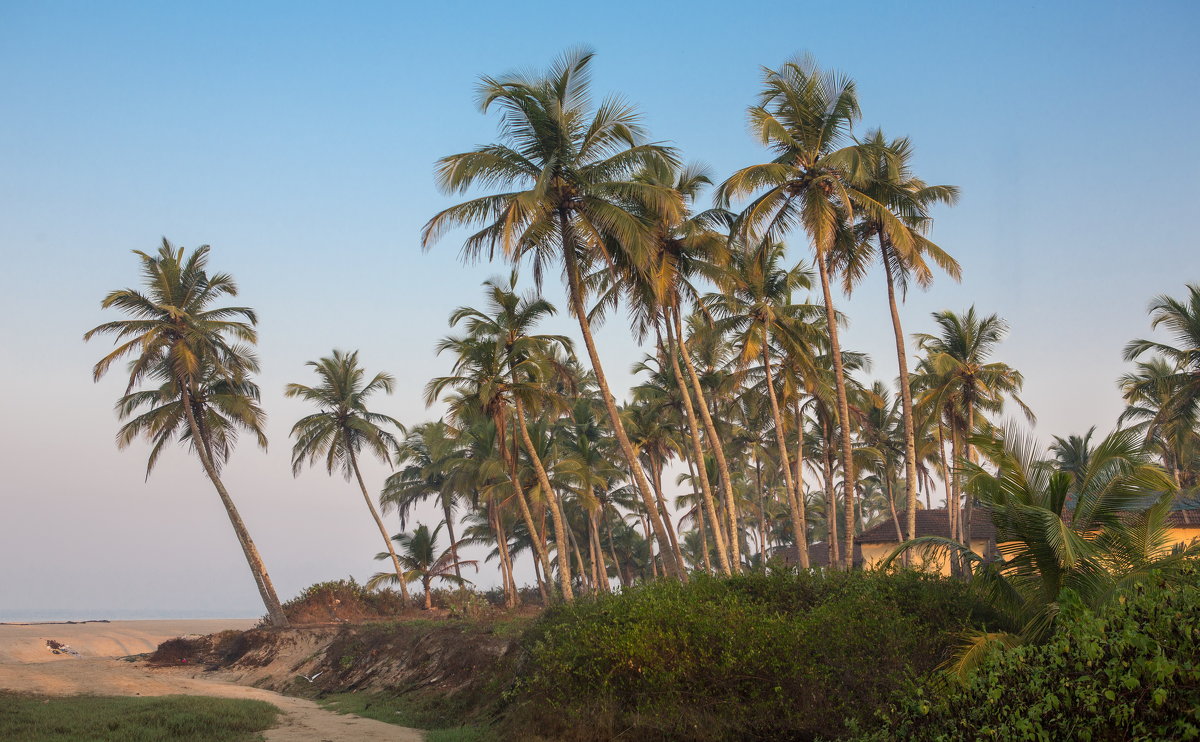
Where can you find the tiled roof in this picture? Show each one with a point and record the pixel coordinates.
(929, 523)
(818, 555)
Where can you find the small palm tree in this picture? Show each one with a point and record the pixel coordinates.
(343, 426)
(1093, 522)
(420, 557)
(200, 359)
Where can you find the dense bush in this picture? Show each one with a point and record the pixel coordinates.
(342, 600)
(1129, 672)
(779, 656)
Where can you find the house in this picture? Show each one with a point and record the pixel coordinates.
(818, 555)
(880, 541)
(1183, 523)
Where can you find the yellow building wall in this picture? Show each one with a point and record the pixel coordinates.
(1183, 535)
(935, 561)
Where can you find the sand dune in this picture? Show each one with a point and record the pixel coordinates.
(25, 643)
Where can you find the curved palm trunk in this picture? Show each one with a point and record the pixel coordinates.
(718, 449)
(560, 534)
(379, 522)
(906, 403)
(839, 377)
(612, 551)
(671, 567)
(701, 474)
(785, 463)
(425, 583)
(257, 568)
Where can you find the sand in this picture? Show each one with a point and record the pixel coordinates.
(27, 665)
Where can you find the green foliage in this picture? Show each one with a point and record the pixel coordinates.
(1129, 671)
(775, 656)
(103, 719)
(342, 599)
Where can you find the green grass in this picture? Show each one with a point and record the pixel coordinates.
(398, 710)
(31, 718)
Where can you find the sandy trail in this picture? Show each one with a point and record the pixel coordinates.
(93, 673)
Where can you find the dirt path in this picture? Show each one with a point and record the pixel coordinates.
(27, 665)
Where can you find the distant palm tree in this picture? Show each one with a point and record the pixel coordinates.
(343, 427)
(959, 378)
(1152, 406)
(420, 557)
(1180, 318)
(569, 169)
(200, 356)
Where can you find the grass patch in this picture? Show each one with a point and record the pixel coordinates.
(33, 718)
(436, 724)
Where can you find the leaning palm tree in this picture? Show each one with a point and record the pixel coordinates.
(567, 169)
(343, 427)
(199, 356)
(420, 557)
(804, 115)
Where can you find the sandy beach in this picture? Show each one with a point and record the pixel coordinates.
(91, 666)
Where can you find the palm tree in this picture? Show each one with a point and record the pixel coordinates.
(959, 379)
(200, 356)
(1095, 527)
(343, 427)
(755, 307)
(1180, 318)
(426, 458)
(1152, 406)
(804, 115)
(887, 178)
(569, 168)
(419, 555)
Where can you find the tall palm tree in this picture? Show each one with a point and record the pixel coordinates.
(804, 115)
(569, 169)
(886, 177)
(343, 427)
(200, 356)
(419, 555)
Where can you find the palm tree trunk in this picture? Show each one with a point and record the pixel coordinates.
(839, 377)
(539, 545)
(966, 526)
(831, 524)
(799, 474)
(571, 260)
(450, 531)
(887, 490)
(697, 449)
(785, 463)
(598, 550)
(906, 403)
(257, 568)
(656, 483)
(612, 550)
(506, 571)
(716, 445)
(428, 597)
(378, 521)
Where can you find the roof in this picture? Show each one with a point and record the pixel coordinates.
(818, 555)
(931, 523)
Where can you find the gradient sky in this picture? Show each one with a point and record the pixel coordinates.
(298, 140)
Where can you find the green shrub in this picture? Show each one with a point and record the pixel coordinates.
(1128, 672)
(778, 656)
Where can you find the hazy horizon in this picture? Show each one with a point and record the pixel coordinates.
(299, 143)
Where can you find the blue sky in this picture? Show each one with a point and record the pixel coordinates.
(298, 140)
